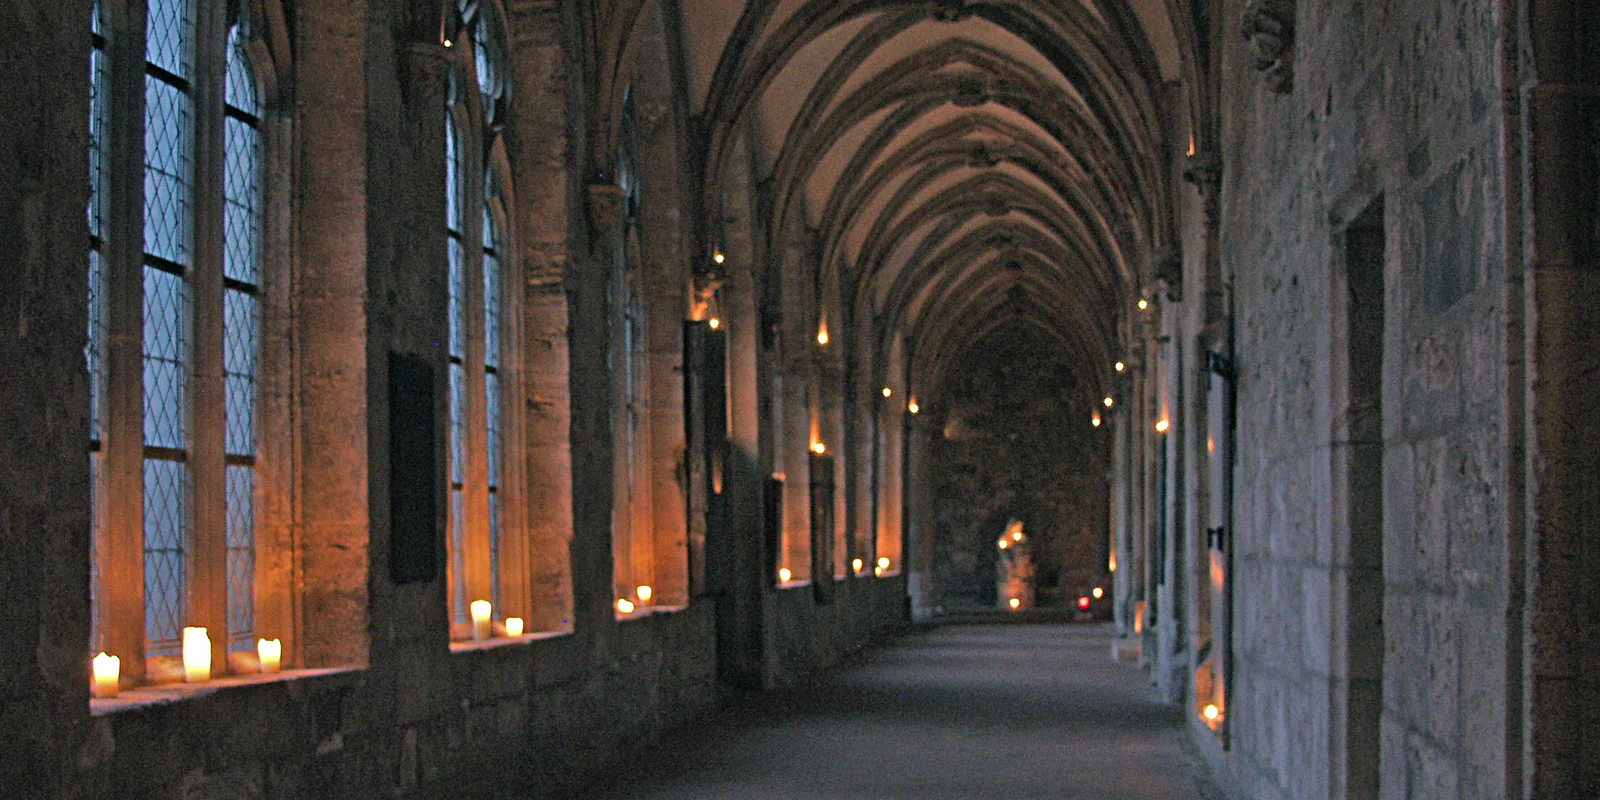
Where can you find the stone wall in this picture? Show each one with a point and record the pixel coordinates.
(1400, 105)
(1017, 443)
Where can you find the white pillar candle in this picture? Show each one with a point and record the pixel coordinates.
(481, 611)
(196, 655)
(107, 675)
(271, 653)
(513, 626)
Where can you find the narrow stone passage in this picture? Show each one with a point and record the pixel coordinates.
(953, 711)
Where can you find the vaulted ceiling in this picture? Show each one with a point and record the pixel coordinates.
(967, 166)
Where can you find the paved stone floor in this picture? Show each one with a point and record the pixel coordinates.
(998, 711)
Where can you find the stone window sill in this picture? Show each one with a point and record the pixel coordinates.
(475, 645)
(795, 584)
(165, 694)
(643, 613)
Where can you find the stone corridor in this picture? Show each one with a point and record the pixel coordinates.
(960, 710)
(417, 398)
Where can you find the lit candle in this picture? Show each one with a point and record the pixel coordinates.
(196, 655)
(271, 653)
(1015, 603)
(513, 626)
(107, 674)
(883, 562)
(645, 593)
(625, 606)
(784, 575)
(480, 619)
(856, 565)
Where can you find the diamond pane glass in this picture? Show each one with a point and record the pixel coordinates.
(242, 209)
(94, 348)
(458, 308)
(241, 80)
(458, 552)
(492, 412)
(164, 553)
(458, 424)
(97, 136)
(494, 551)
(491, 292)
(168, 35)
(240, 327)
(452, 174)
(166, 175)
(165, 353)
(241, 557)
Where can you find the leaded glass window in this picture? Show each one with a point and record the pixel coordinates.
(458, 378)
(180, 438)
(491, 366)
(241, 333)
(168, 201)
(94, 350)
(477, 316)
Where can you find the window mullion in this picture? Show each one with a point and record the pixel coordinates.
(208, 595)
(120, 549)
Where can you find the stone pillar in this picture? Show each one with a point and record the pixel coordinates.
(334, 378)
(921, 514)
(594, 453)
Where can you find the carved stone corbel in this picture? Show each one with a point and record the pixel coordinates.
(1267, 27)
(605, 205)
(1204, 170)
(1168, 270)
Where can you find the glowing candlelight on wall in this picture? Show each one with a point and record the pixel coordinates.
(271, 653)
(481, 611)
(107, 675)
(625, 606)
(784, 575)
(196, 655)
(513, 626)
(645, 593)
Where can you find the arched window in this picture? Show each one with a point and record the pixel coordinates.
(174, 438)
(486, 535)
